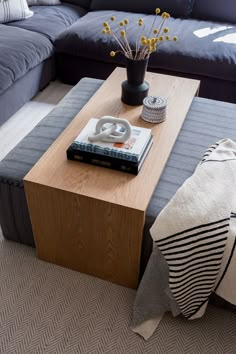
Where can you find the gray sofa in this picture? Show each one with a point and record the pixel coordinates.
(206, 48)
(71, 33)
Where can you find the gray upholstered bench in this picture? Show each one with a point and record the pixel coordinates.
(14, 215)
(206, 122)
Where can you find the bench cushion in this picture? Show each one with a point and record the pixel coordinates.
(206, 122)
(203, 48)
(14, 215)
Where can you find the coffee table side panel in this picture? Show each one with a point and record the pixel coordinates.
(85, 234)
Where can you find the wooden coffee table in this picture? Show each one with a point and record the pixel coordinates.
(89, 218)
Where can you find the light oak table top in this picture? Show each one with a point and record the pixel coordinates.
(120, 188)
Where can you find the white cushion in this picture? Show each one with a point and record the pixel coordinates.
(13, 10)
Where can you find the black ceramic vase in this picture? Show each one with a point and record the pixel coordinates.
(135, 89)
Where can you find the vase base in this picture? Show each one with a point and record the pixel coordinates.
(133, 95)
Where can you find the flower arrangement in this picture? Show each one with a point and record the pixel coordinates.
(145, 44)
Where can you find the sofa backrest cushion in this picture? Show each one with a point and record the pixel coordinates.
(215, 10)
(83, 3)
(43, 2)
(176, 8)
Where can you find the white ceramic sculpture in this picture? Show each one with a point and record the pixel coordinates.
(111, 129)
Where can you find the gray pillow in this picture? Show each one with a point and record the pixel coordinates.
(83, 3)
(43, 2)
(14, 10)
(176, 8)
(215, 10)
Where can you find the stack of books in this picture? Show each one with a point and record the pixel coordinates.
(128, 156)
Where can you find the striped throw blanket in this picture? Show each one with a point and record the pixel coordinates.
(196, 232)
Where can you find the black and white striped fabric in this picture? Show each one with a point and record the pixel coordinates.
(14, 10)
(196, 232)
(209, 151)
(194, 258)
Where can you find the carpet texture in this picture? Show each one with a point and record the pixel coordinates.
(49, 309)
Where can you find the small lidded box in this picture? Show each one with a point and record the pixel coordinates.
(154, 109)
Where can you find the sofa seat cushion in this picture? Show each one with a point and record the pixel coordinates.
(51, 20)
(203, 48)
(20, 51)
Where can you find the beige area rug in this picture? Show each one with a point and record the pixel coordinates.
(49, 309)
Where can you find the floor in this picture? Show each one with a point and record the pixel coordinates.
(29, 115)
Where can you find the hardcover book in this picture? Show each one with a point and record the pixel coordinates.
(131, 150)
(108, 161)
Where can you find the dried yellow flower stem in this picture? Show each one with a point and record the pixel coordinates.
(144, 45)
(137, 44)
(120, 43)
(127, 44)
(123, 34)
